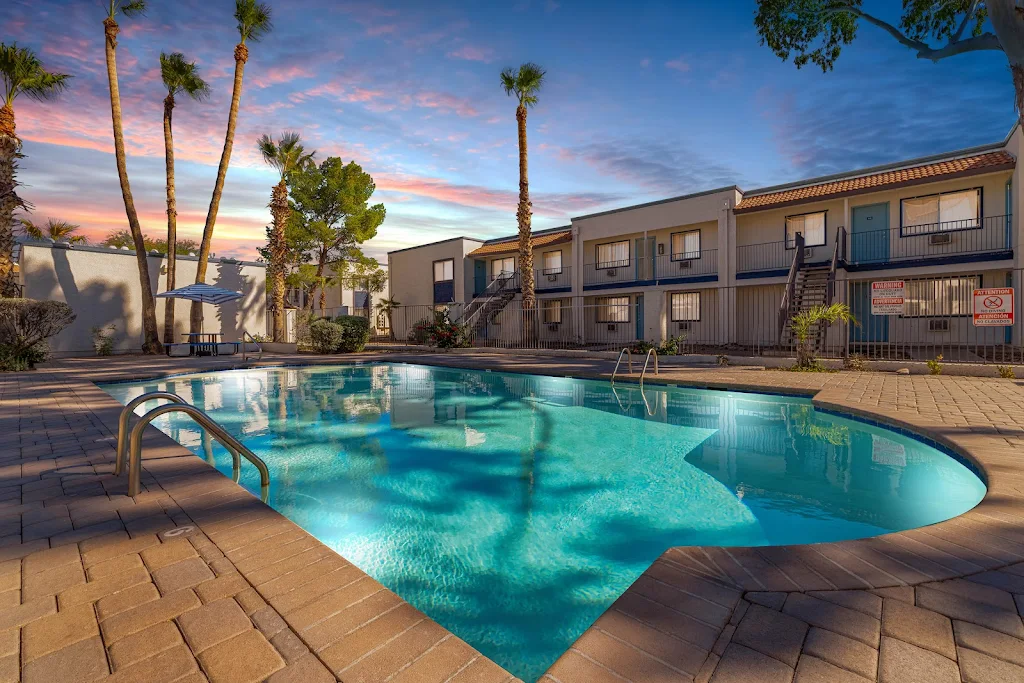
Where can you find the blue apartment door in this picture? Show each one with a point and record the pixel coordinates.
(479, 277)
(872, 328)
(869, 233)
(639, 316)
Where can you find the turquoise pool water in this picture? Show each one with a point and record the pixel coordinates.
(513, 509)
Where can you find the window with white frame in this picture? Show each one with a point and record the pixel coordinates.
(551, 311)
(685, 306)
(959, 210)
(810, 225)
(946, 296)
(613, 254)
(502, 266)
(613, 309)
(685, 245)
(552, 262)
(444, 271)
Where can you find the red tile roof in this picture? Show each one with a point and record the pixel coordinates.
(511, 245)
(964, 166)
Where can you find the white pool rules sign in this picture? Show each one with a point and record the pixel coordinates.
(993, 307)
(887, 297)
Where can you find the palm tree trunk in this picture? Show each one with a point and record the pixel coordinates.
(241, 56)
(172, 219)
(279, 209)
(8, 201)
(523, 214)
(150, 338)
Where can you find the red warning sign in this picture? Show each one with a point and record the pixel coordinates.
(993, 307)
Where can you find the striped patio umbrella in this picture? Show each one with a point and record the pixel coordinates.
(203, 293)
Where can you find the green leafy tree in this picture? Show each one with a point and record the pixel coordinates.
(804, 322)
(331, 211)
(524, 83)
(253, 21)
(21, 73)
(815, 31)
(123, 238)
(286, 155)
(131, 8)
(180, 77)
(54, 229)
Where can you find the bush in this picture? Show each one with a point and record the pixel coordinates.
(935, 366)
(325, 336)
(444, 333)
(103, 339)
(420, 333)
(25, 325)
(855, 363)
(1006, 371)
(355, 333)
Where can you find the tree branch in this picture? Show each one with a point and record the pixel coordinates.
(963, 24)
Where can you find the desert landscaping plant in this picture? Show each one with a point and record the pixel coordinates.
(1006, 371)
(103, 339)
(325, 336)
(935, 365)
(802, 323)
(854, 362)
(25, 325)
(355, 333)
(444, 333)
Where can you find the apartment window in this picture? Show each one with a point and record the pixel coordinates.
(685, 245)
(502, 266)
(552, 262)
(444, 271)
(551, 311)
(613, 254)
(810, 225)
(613, 309)
(947, 296)
(685, 306)
(938, 212)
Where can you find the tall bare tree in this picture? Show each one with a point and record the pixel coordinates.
(524, 83)
(286, 155)
(21, 73)
(253, 24)
(180, 77)
(133, 8)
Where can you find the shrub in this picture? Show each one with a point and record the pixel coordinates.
(855, 362)
(723, 360)
(325, 336)
(25, 325)
(672, 346)
(1006, 371)
(420, 333)
(935, 365)
(103, 339)
(355, 332)
(802, 324)
(447, 334)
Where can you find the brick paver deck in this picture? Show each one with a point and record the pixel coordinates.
(196, 580)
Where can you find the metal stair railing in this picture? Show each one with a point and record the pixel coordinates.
(499, 286)
(790, 293)
(233, 446)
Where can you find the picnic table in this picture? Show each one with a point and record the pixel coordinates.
(202, 343)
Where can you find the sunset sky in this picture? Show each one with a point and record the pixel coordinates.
(643, 100)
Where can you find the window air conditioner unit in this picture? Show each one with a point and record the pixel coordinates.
(684, 326)
(938, 325)
(808, 253)
(685, 265)
(552, 278)
(940, 239)
(611, 327)
(611, 271)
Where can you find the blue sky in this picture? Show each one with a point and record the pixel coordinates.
(643, 100)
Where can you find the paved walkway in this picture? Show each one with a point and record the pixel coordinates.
(196, 580)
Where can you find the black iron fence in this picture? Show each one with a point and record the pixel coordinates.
(935, 317)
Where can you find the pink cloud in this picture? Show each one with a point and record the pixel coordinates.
(678, 65)
(472, 53)
(444, 102)
(279, 74)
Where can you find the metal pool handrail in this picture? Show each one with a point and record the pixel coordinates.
(629, 359)
(206, 422)
(122, 422)
(259, 347)
(646, 361)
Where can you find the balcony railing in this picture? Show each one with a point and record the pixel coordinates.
(552, 278)
(988, 235)
(667, 267)
(752, 258)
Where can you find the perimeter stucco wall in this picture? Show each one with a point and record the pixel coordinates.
(102, 287)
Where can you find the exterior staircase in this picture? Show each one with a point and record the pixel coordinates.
(810, 290)
(485, 306)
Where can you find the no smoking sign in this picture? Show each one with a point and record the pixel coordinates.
(993, 307)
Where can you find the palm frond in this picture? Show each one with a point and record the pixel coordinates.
(287, 154)
(31, 229)
(132, 8)
(524, 82)
(180, 75)
(23, 73)
(253, 20)
(268, 148)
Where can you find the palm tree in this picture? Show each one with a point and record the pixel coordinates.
(55, 229)
(22, 74)
(180, 77)
(524, 84)
(285, 155)
(253, 23)
(129, 8)
(386, 307)
(820, 317)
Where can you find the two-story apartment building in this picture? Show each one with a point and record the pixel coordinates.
(725, 267)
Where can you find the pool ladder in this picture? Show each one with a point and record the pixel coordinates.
(177, 404)
(259, 347)
(629, 360)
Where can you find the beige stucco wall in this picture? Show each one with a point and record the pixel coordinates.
(411, 271)
(102, 287)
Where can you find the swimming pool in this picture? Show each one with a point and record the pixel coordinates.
(514, 509)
